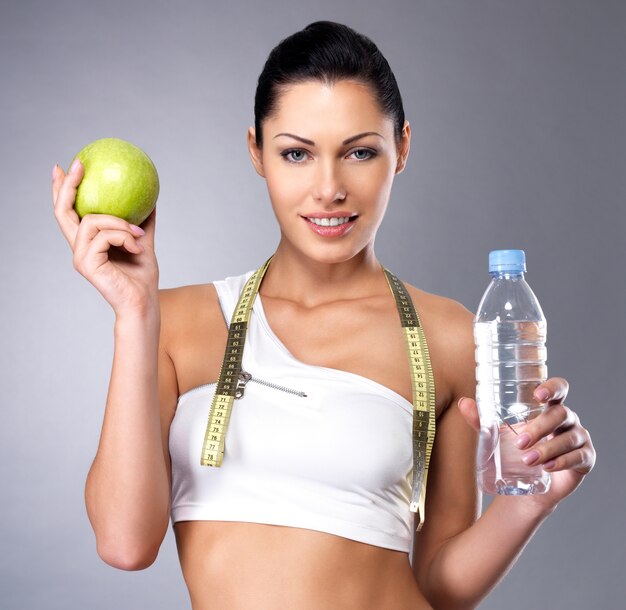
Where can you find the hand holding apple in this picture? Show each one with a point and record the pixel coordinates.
(126, 274)
(120, 179)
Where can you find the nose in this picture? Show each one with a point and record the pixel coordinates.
(328, 186)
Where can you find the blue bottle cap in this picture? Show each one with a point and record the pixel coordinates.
(507, 260)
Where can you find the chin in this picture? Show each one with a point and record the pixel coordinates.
(323, 250)
(331, 254)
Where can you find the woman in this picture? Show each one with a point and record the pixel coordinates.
(292, 518)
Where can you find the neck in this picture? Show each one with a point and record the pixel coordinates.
(295, 277)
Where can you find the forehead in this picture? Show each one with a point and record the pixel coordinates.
(344, 106)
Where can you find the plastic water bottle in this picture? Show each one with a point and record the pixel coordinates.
(510, 335)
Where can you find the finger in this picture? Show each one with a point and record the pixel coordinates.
(93, 224)
(97, 252)
(469, 410)
(57, 178)
(64, 210)
(64, 183)
(581, 460)
(555, 419)
(553, 390)
(102, 242)
(556, 447)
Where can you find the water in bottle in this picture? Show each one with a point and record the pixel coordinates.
(509, 335)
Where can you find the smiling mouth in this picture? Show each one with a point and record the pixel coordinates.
(331, 222)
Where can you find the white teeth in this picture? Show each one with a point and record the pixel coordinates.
(329, 222)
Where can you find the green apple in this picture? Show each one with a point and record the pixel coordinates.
(120, 179)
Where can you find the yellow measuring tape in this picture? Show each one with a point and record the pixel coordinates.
(421, 379)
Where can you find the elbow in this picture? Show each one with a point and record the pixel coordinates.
(449, 602)
(454, 606)
(129, 559)
(127, 549)
(452, 596)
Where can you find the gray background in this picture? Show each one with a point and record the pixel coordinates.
(519, 140)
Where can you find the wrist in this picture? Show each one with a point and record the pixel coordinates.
(528, 508)
(146, 315)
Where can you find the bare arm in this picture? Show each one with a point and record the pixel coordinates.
(467, 567)
(127, 488)
(458, 558)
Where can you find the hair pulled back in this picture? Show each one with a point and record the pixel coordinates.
(328, 52)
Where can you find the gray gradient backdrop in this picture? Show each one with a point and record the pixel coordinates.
(519, 140)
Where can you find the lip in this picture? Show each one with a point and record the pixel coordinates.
(336, 231)
(339, 214)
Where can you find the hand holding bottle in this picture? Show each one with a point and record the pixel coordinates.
(530, 443)
(555, 440)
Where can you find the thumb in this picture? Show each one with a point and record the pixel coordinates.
(469, 410)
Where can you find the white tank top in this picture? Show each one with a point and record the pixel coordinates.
(338, 460)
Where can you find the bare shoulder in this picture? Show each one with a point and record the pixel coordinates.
(440, 308)
(193, 333)
(448, 328)
(183, 299)
(185, 309)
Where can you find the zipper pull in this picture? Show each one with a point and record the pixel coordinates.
(241, 383)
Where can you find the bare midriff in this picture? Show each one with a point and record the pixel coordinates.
(230, 565)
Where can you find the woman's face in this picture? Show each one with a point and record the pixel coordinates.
(329, 150)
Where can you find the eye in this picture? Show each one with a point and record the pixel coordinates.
(294, 155)
(362, 154)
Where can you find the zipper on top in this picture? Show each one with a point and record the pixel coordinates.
(245, 377)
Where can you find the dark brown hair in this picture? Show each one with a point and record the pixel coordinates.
(328, 52)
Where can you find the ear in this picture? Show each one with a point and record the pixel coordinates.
(405, 146)
(256, 154)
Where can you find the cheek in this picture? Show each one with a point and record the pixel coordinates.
(285, 189)
(372, 185)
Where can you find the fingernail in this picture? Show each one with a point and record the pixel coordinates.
(522, 440)
(542, 394)
(530, 458)
(460, 401)
(549, 465)
(137, 230)
(74, 166)
(54, 170)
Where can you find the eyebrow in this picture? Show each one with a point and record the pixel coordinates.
(348, 141)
